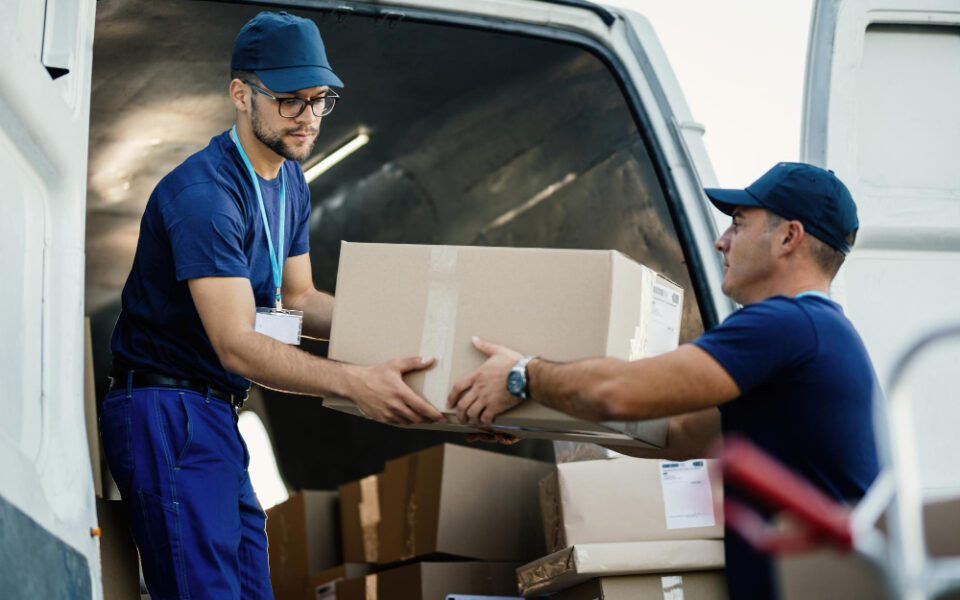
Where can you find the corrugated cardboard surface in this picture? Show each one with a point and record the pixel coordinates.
(406, 300)
(360, 519)
(322, 586)
(461, 501)
(703, 585)
(301, 540)
(432, 581)
(577, 564)
(119, 562)
(615, 500)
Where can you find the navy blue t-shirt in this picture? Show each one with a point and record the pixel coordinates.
(202, 220)
(806, 385)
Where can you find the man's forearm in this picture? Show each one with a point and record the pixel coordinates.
(690, 435)
(280, 366)
(317, 308)
(684, 380)
(578, 388)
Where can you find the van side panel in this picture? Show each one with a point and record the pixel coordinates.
(47, 504)
(881, 111)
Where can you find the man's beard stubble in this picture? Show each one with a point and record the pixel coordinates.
(275, 141)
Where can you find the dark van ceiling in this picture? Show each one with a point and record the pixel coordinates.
(476, 137)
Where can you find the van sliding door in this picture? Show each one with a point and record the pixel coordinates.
(46, 488)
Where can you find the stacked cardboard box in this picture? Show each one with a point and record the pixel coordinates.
(302, 540)
(432, 581)
(629, 525)
(323, 586)
(704, 585)
(408, 300)
(448, 519)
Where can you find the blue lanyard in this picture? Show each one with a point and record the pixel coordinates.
(275, 261)
(813, 293)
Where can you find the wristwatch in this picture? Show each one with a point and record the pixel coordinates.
(517, 382)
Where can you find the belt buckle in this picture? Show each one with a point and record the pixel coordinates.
(236, 401)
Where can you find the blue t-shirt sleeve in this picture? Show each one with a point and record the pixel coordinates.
(206, 229)
(760, 340)
(300, 240)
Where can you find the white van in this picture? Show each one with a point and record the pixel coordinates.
(497, 122)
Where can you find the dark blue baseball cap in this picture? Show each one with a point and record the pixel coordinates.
(285, 51)
(799, 192)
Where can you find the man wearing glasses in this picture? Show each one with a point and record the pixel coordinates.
(220, 291)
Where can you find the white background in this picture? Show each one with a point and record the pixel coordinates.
(740, 64)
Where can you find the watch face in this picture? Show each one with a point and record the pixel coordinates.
(515, 383)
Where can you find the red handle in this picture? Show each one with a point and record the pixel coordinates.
(753, 471)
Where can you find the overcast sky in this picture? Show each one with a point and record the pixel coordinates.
(741, 66)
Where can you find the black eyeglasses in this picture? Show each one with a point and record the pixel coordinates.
(291, 108)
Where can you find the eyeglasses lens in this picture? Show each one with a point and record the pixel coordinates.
(293, 107)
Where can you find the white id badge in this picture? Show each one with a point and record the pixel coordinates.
(282, 325)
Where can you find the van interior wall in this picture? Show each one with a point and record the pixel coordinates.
(476, 137)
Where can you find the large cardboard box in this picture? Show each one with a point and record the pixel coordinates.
(360, 519)
(830, 573)
(323, 585)
(432, 581)
(302, 539)
(406, 300)
(119, 562)
(571, 566)
(463, 502)
(631, 500)
(703, 585)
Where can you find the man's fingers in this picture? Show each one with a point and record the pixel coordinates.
(423, 408)
(459, 388)
(484, 346)
(413, 363)
(473, 413)
(487, 416)
(403, 413)
(469, 397)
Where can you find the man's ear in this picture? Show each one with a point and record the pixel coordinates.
(238, 95)
(791, 236)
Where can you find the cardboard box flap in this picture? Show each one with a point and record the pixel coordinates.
(578, 563)
(360, 520)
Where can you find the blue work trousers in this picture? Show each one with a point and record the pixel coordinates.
(181, 465)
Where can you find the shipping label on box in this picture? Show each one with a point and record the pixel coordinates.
(397, 300)
(687, 500)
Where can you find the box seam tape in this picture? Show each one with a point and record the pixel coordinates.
(439, 321)
(369, 509)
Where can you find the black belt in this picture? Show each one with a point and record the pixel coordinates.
(142, 379)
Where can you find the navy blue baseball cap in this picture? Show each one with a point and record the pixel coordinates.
(799, 192)
(285, 51)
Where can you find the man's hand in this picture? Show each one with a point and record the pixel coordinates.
(381, 393)
(482, 395)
